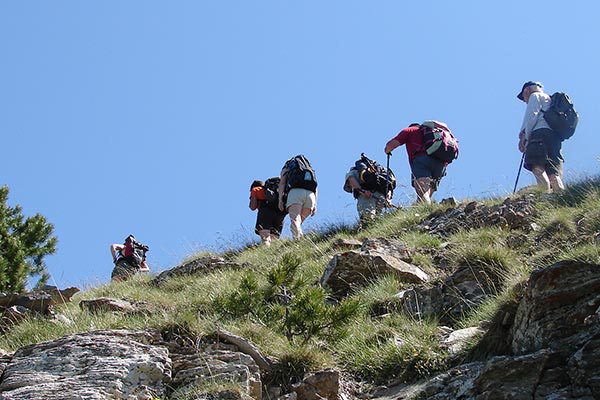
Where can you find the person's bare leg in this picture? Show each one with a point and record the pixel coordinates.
(295, 212)
(423, 187)
(556, 183)
(541, 177)
(305, 213)
(265, 236)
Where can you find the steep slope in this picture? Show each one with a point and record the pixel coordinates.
(497, 297)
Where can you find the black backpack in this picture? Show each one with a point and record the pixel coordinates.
(300, 174)
(134, 252)
(272, 192)
(561, 115)
(374, 177)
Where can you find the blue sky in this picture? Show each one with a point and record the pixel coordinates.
(153, 117)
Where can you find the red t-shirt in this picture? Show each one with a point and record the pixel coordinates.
(412, 137)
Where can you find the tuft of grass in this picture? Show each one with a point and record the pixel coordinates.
(587, 253)
(483, 247)
(294, 364)
(393, 348)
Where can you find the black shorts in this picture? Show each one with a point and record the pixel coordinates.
(270, 219)
(543, 149)
(425, 166)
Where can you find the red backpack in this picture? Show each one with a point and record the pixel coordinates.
(439, 142)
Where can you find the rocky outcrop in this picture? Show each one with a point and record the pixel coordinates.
(39, 300)
(450, 298)
(512, 213)
(377, 257)
(555, 306)
(98, 365)
(15, 307)
(320, 385)
(553, 344)
(122, 364)
(202, 265)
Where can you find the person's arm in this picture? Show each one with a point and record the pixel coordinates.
(356, 189)
(314, 209)
(534, 105)
(253, 203)
(114, 248)
(399, 140)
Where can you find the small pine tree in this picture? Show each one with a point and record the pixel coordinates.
(289, 303)
(24, 242)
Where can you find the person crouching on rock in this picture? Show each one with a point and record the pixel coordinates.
(129, 258)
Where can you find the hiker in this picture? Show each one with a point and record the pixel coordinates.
(372, 186)
(129, 258)
(264, 197)
(298, 192)
(539, 143)
(430, 147)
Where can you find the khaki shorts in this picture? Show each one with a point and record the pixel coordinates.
(304, 197)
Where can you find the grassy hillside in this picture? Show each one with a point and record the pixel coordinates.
(278, 304)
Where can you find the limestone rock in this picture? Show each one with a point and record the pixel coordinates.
(458, 339)
(123, 364)
(97, 365)
(202, 265)
(352, 269)
(346, 244)
(217, 367)
(389, 247)
(106, 304)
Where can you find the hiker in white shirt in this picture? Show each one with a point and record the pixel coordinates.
(541, 145)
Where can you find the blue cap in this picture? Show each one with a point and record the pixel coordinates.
(525, 86)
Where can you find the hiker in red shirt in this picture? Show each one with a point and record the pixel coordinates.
(426, 170)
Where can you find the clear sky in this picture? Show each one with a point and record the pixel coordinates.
(153, 117)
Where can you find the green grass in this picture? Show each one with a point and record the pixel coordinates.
(377, 341)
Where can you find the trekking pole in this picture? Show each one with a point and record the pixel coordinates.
(387, 180)
(519, 173)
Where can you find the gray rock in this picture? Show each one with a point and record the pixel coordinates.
(121, 364)
(459, 339)
(39, 300)
(201, 265)
(97, 365)
(450, 298)
(557, 301)
(353, 269)
(512, 213)
(319, 385)
(346, 244)
(103, 304)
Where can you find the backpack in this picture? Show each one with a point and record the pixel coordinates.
(300, 174)
(271, 187)
(561, 115)
(439, 142)
(374, 177)
(134, 251)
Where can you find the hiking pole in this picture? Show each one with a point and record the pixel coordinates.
(519, 173)
(387, 181)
